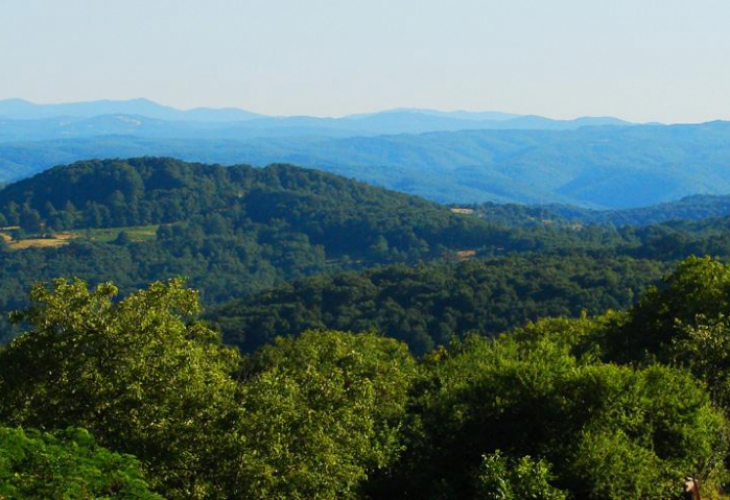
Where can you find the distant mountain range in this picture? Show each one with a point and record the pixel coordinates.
(23, 120)
(449, 157)
(20, 109)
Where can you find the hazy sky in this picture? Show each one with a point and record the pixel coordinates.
(666, 60)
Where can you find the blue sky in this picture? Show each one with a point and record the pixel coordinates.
(643, 60)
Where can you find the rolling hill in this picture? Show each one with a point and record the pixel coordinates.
(230, 230)
(238, 231)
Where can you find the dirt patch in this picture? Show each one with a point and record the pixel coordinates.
(465, 211)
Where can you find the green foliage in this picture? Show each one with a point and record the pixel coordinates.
(599, 408)
(683, 323)
(697, 291)
(704, 348)
(427, 306)
(116, 193)
(232, 231)
(319, 414)
(611, 432)
(68, 465)
(241, 230)
(310, 417)
(524, 479)
(134, 372)
(531, 414)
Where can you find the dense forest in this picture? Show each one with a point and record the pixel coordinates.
(135, 398)
(238, 231)
(230, 230)
(430, 305)
(356, 344)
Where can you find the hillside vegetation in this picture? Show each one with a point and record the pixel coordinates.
(558, 409)
(358, 344)
(230, 230)
(428, 306)
(237, 231)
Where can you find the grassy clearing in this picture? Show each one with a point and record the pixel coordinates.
(37, 243)
(105, 235)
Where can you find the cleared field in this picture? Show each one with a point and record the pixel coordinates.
(37, 243)
(105, 235)
(464, 211)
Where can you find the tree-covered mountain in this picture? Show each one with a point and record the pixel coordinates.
(126, 391)
(329, 210)
(230, 230)
(598, 167)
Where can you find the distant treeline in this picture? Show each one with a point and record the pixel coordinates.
(690, 208)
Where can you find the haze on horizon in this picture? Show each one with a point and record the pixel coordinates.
(637, 60)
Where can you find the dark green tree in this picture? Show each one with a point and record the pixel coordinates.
(30, 220)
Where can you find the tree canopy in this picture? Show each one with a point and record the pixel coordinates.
(69, 465)
(134, 372)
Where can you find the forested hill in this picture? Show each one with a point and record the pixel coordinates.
(344, 215)
(236, 231)
(231, 231)
(429, 305)
(155, 190)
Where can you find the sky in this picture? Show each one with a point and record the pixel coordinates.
(642, 60)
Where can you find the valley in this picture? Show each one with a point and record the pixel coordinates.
(608, 167)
